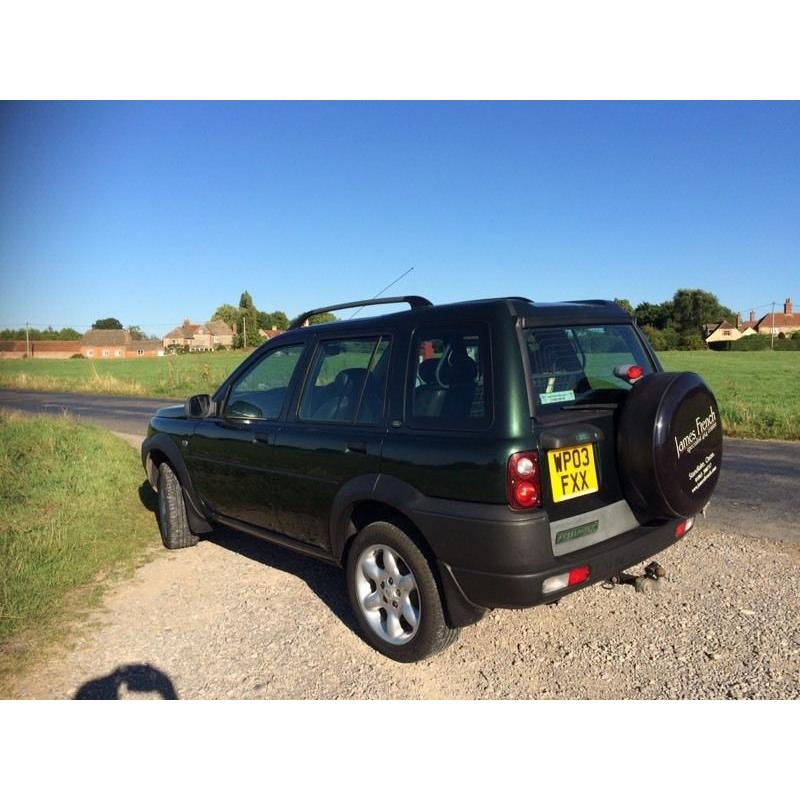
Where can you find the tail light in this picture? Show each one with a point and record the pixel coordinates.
(524, 486)
(683, 527)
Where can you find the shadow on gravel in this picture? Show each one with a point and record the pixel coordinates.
(140, 678)
(325, 580)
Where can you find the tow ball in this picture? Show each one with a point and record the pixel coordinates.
(650, 581)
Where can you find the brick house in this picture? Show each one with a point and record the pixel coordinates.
(786, 323)
(93, 344)
(144, 348)
(204, 336)
(19, 348)
(118, 344)
(105, 344)
(723, 331)
(270, 333)
(748, 328)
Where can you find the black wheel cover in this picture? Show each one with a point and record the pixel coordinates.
(669, 445)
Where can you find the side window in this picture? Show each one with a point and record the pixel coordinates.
(450, 386)
(347, 377)
(260, 392)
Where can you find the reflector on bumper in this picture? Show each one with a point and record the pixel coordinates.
(572, 578)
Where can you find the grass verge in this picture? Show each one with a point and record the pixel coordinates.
(71, 520)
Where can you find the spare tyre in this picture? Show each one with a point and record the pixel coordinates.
(669, 445)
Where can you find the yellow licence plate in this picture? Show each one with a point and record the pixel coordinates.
(572, 472)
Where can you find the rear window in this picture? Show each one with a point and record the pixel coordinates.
(575, 364)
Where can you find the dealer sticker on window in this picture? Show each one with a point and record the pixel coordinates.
(557, 397)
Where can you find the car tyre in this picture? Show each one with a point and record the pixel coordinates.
(395, 595)
(172, 520)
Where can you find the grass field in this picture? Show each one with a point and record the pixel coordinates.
(170, 376)
(758, 392)
(71, 518)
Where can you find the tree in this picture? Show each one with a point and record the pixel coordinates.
(228, 314)
(280, 320)
(624, 304)
(277, 319)
(108, 324)
(49, 334)
(671, 337)
(658, 315)
(656, 337)
(136, 333)
(247, 333)
(693, 308)
(325, 316)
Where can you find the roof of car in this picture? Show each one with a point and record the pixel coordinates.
(530, 312)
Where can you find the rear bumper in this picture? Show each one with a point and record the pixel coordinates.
(606, 559)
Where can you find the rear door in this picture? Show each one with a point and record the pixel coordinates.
(334, 434)
(577, 396)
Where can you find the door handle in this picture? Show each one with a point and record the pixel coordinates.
(263, 438)
(356, 447)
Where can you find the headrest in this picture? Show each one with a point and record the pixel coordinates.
(349, 380)
(459, 368)
(427, 370)
(556, 352)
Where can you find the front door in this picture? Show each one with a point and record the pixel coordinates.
(231, 456)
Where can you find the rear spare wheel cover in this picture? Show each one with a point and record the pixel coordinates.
(670, 444)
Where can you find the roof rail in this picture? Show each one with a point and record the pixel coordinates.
(415, 301)
(594, 302)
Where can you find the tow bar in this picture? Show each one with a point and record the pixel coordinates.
(650, 581)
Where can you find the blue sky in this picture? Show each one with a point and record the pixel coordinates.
(152, 212)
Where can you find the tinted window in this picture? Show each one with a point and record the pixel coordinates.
(577, 363)
(260, 392)
(347, 377)
(450, 383)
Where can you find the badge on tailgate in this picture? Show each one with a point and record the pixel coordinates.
(572, 471)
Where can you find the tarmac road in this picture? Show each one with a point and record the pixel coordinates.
(756, 494)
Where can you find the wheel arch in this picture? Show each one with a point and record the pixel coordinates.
(159, 449)
(377, 498)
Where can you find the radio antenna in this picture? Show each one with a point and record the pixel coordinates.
(388, 286)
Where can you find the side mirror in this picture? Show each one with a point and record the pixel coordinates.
(198, 406)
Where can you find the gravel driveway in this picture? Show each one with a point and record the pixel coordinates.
(240, 618)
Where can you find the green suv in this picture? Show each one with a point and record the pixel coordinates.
(452, 458)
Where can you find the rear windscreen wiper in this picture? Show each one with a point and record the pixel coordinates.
(591, 407)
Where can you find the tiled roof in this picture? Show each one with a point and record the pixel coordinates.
(145, 344)
(218, 327)
(101, 338)
(55, 346)
(780, 321)
(40, 346)
(215, 327)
